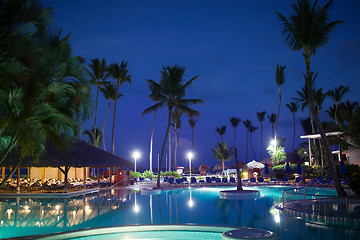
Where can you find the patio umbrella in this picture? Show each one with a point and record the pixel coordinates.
(287, 167)
(266, 171)
(254, 164)
(342, 168)
(298, 168)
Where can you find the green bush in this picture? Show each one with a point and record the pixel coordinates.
(279, 171)
(135, 174)
(148, 174)
(173, 174)
(354, 182)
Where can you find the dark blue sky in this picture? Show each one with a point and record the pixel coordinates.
(234, 46)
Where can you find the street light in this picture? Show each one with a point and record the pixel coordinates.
(190, 155)
(136, 155)
(273, 143)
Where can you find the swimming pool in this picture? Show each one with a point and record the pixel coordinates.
(119, 207)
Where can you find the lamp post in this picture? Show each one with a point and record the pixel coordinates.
(136, 155)
(190, 156)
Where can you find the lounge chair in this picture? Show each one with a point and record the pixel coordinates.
(166, 179)
(232, 180)
(260, 179)
(297, 180)
(208, 180)
(285, 180)
(213, 179)
(141, 179)
(253, 180)
(192, 180)
(171, 180)
(218, 180)
(179, 180)
(345, 182)
(224, 180)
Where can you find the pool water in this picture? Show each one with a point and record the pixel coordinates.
(118, 207)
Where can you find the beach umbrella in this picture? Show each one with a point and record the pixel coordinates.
(266, 171)
(287, 167)
(254, 164)
(298, 168)
(342, 168)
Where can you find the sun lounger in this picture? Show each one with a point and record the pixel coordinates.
(232, 180)
(171, 180)
(166, 179)
(224, 180)
(208, 180)
(260, 179)
(192, 180)
(252, 180)
(285, 180)
(218, 180)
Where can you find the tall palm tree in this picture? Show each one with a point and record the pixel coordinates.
(234, 123)
(280, 80)
(121, 75)
(319, 98)
(307, 30)
(222, 153)
(293, 108)
(252, 129)
(337, 94)
(261, 117)
(272, 119)
(98, 75)
(192, 121)
(109, 92)
(176, 117)
(221, 131)
(155, 96)
(172, 93)
(247, 124)
(346, 110)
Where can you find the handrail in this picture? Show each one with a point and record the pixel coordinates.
(115, 184)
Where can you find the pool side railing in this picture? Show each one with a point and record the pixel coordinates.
(296, 199)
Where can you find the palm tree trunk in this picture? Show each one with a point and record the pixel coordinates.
(13, 170)
(192, 139)
(247, 141)
(239, 183)
(252, 146)
(163, 147)
(113, 124)
(261, 144)
(339, 189)
(103, 128)
(233, 145)
(278, 114)
(169, 150)
(96, 105)
(176, 145)
(152, 140)
(223, 165)
(293, 146)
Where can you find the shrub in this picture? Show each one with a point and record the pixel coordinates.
(354, 182)
(279, 171)
(135, 174)
(148, 174)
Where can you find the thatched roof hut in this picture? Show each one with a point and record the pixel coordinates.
(219, 167)
(240, 163)
(204, 167)
(79, 154)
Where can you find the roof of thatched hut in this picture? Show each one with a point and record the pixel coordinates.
(292, 157)
(240, 163)
(204, 167)
(79, 154)
(219, 167)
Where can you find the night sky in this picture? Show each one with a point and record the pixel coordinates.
(234, 47)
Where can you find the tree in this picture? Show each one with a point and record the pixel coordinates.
(252, 129)
(221, 131)
(176, 117)
(172, 93)
(192, 121)
(247, 125)
(109, 93)
(155, 96)
(280, 80)
(319, 98)
(307, 30)
(222, 153)
(272, 119)
(234, 123)
(277, 154)
(98, 136)
(121, 75)
(43, 93)
(337, 94)
(98, 75)
(293, 108)
(261, 117)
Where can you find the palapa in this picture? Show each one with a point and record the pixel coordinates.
(254, 164)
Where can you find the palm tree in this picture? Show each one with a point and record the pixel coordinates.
(172, 93)
(176, 117)
(252, 129)
(272, 119)
(109, 92)
(293, 108)
(121, 75)
(337, 94)
(319, 98)
(331, 113)
(98, 75)
(261, 117)
(221, 131)
(247, 124)
(346, 110)
(280, 80)
(222, 153)
(155, 96)
(97, 137)
(192, 121)
(234, 123)
(307, 30)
